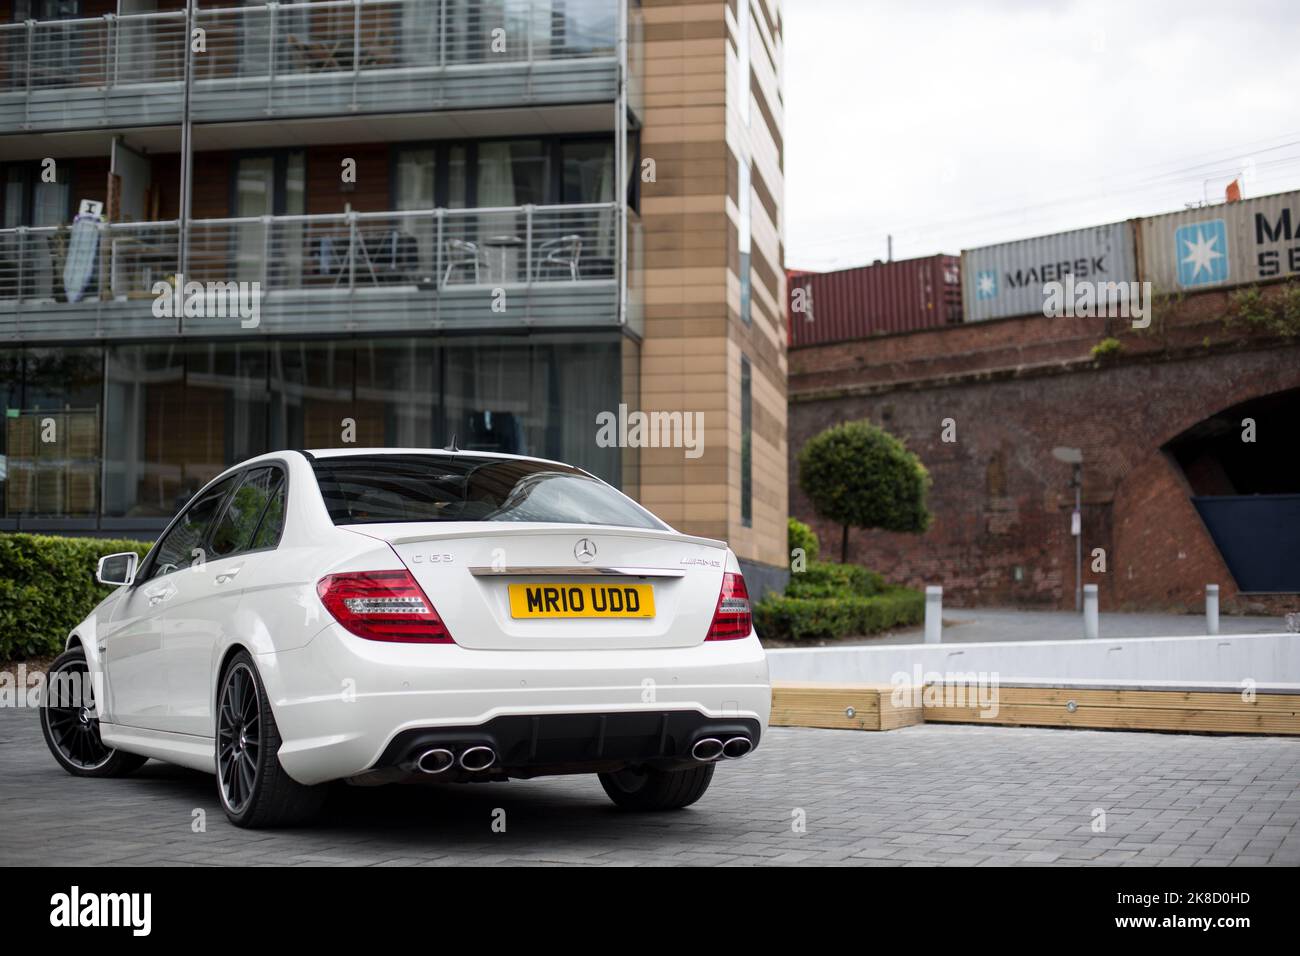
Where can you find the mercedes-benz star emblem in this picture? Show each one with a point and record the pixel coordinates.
(585, 550)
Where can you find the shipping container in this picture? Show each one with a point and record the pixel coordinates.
(1011, 278)
(1231, 244)
(870, 300)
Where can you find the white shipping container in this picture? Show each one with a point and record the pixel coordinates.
(1231, 244)
(1011, 278)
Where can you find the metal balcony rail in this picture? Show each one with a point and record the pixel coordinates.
(300, 39)
(99, 52)
(429, 250)
(128, 259)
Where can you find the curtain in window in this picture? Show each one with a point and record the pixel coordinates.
(510, 173)
(588, 169)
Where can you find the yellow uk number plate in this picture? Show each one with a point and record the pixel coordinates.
(582, 600)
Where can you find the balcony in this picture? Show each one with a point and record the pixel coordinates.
(430, 270)
(332, 58)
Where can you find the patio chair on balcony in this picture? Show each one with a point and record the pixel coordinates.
(461, 253)
(563, 252)
(317, 56)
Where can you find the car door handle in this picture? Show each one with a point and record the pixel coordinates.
(225, 576)
(159, 595)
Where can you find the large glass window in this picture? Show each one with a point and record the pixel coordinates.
(587, 176)
(11, 398)
(312, 397)
(512, 172)
(534, 398)
(507, 172)
(170, 417)
(583, 27)
(490, 397)
(588, 171)
(178, 416)
(457, 166)
(415, 176)
(578, 381)
(397, 393)
(52, 426)
(31, 201)
(742, 59)
(746, 443)
(744, 198)
(273, 184)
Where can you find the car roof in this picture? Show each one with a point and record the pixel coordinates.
(440, 452)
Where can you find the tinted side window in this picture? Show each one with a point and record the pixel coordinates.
(268, 532)
(239, 524)
(175, 550)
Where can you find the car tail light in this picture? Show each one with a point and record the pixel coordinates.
(383, 606)
(732, 619)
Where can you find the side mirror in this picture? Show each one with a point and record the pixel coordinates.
(117, 569)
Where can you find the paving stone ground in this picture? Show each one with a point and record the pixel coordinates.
(927, 795)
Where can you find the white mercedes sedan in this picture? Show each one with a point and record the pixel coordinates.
(388, 615)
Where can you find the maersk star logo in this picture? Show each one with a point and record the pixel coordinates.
(986, 284)
(1202, 253)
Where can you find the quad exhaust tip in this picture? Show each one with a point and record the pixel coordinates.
(708, 749)
(476, 759)
(737, 747)
(435, 761)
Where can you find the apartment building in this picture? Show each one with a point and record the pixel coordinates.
(483, 220)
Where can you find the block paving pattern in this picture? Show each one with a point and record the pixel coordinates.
(927, 795)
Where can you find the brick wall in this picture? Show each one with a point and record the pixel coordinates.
(1015, 389)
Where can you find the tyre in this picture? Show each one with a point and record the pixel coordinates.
(641, 788)
(253, 788)
(70, 724)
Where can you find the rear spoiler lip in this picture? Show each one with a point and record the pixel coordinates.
(502, 529)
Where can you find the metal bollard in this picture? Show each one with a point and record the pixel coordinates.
(933, 614)
(1090, 611)
(1211, 609)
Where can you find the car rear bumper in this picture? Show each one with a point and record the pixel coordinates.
(530, 745)
(346, 706)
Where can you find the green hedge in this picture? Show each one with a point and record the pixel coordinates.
(47, 586)
(799, 535)
(803, 618)
(825, 579)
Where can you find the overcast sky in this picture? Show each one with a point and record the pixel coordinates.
(957, 124)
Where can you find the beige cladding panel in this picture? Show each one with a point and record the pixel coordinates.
(690, 360)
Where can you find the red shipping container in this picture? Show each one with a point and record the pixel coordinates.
(870, 300)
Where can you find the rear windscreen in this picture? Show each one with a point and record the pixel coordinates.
(372, 489)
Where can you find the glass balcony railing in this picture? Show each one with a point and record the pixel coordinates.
(314, 58)
(349, 270)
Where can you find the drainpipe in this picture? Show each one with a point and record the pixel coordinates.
(187, 148)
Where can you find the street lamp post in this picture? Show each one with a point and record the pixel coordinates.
(1074, 456)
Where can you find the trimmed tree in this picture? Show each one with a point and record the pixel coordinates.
(860, 476)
